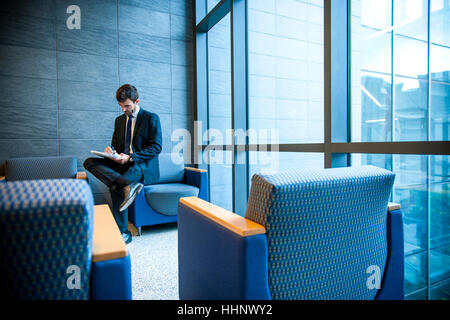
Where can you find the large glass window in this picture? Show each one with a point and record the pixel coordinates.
(400, 91)
(219, 112)
(262, 69)
(285, 69)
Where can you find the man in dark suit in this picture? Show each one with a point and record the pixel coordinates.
(136, 143)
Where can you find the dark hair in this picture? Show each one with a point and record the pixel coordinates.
(127, 91)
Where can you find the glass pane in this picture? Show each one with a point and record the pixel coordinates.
(371, 65)
(441, 291)
(410, 57)
(372, 120)
(411, 18)
(379, 160)
(440, 22)
(417, 295)
(219, 81)
(411, 106)
(415, 273)
(211, 4)
(440, 69)
(285, 43)
(261, 161)
(440, 63)
(440, 219)
(440, 102)
(221, 178)
(410, 190)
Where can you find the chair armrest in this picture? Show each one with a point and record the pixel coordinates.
(111, 265)
(81, 175)
(229, 220)
(107, 240)
(392, 285)
(393, 206)
(195, 169)
(2, 179)
(197, 178)
(220, 255)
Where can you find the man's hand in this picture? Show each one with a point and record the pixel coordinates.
(124, 158)
(108, 150)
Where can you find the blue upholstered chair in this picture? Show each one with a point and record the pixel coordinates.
(54, 167)
(322, 234)
(50, 247)
(158, 203)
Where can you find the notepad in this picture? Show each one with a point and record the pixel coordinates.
(106, 155)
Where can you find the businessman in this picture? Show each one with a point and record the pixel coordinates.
(136, 142)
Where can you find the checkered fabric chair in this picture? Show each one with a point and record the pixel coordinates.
(321, 234)
(64, 167)
(46, 244)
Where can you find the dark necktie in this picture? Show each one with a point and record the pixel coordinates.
(128, 136)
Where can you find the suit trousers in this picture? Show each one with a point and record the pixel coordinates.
(115, 176)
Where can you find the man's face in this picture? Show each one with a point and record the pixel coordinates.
(128, 106)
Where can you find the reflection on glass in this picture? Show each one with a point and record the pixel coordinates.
(219, 80)
(440, 102)
(440, 221)
(415, 273)
(411, 109)
(221, 178)
(375, 113)
(440, 22)
(440, 63)
(379, 160)
(273, 162)
(411, 18)
(211, 4)
(410, 57)
(410, 190)
(440, 291)
(374, 14)
(440, 69)
(285, 65)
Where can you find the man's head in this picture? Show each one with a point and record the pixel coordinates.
(127, 96)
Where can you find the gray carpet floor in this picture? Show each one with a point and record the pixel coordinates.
(154, 263)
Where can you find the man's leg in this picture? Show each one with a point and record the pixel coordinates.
(130, 177)
(107, 171)
(110, 173)
(121, 217)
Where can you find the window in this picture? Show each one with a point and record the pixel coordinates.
(375, 92)
(285, 69)
(399, 92)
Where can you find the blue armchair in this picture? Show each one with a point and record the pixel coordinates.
(158, 203)
(323, 234)
(50, 247)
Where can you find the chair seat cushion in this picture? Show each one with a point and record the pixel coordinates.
(163, 198)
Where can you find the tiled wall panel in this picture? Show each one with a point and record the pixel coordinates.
(61, 82)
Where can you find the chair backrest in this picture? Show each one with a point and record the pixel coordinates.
(326, 229)
(64, 167)
(45, 239)
(169, 170)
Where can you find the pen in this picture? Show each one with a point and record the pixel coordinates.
(114, 150)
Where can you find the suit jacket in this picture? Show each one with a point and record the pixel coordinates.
(147, 142)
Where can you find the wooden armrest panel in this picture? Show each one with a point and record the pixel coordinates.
(225, 218)
(81, 175)
(393, 206)
(195, 169)
(2, 178)
(107, 241)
